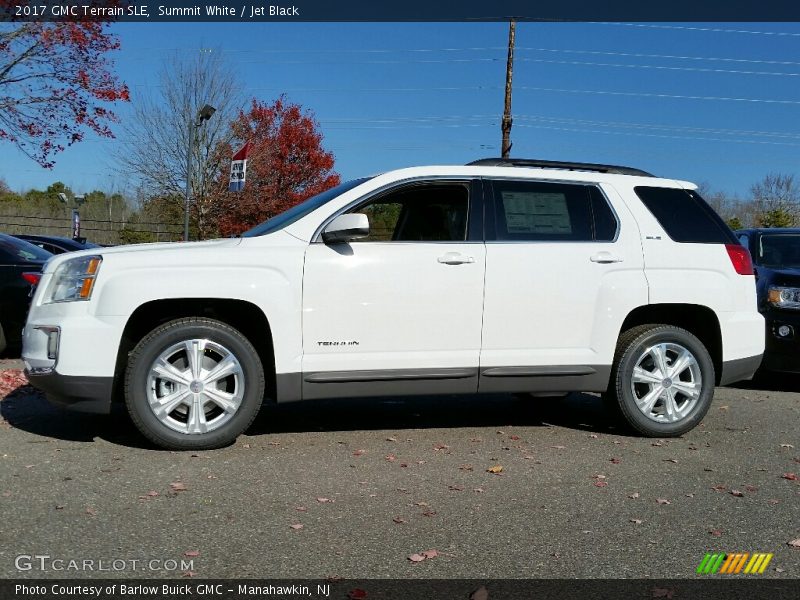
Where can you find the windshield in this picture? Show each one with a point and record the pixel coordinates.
(301, 210)
(16, 250)
(779, 251)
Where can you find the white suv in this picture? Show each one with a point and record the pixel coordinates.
(498, 276)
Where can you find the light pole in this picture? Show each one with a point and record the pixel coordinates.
(76, 215)
(203, 115)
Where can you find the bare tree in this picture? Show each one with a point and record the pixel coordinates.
(777, 200)
(157, 138)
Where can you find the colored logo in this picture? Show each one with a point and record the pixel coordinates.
(734, 563)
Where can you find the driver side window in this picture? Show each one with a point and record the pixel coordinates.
(418, 213)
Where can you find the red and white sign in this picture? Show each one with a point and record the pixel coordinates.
(239, 169)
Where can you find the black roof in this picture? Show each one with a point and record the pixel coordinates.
(555, 164)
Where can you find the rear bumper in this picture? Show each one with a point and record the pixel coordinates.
(81, 394)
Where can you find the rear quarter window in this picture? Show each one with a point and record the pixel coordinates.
(685, 216)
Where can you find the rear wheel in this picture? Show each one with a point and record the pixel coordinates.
(662, 380)
(194, 384)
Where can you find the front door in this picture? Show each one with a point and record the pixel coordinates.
(399, 311)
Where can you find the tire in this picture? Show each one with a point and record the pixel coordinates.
(227, 383)
(651, 402)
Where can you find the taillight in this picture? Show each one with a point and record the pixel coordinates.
(32, 278)
(740, 259)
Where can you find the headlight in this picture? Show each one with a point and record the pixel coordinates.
(784, 297)
(73, 280)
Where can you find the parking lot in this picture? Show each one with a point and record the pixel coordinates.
(497, 486)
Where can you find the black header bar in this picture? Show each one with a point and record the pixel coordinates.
(408, 10)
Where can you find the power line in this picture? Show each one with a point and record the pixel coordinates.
(655, 95)
(705, 29)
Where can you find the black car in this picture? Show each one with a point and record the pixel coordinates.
(20, 266)
(776, 256)
(55, 244)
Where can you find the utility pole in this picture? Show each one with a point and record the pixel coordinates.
(507, 120)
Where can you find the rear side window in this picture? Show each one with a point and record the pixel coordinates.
(540, 211)
(685, 216)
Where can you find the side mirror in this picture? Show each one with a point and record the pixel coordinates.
(344, 228)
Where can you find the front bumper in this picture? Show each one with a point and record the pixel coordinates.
(82, 394)
(782, 353)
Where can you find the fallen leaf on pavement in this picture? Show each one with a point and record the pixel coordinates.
(636, 521)
(794, 543)
(495, 469)
(399, 520)
(790, 476)
(391, 439)
(430, 554)
(515, 437)
(178, 486)
(359, 452)
(663, 501)
(456, 488)
(601, 484)
(737, 493)
(296, 526)
(415, 558)
(634, 495)
(441, 447)
(189, 574)
(786, 446)
(191, 553)
(480, 594)
(324, 500)
(478, 490)
(301, 509)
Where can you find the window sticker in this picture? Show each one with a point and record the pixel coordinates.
(532, 212)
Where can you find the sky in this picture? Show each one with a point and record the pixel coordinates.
(714, 103)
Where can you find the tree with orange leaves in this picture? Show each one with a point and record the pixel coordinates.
(286, 165)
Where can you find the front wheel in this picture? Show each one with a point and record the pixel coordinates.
(662, 380)
(193, 384)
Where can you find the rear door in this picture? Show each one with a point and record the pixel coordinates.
(563, 269)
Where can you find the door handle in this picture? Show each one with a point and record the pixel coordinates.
(455, 258)
(605, 258)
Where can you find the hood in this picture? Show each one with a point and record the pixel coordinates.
(162, 248)
(788, 276)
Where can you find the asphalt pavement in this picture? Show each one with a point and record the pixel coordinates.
(497, 486)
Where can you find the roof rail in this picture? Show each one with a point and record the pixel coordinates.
(554, 164)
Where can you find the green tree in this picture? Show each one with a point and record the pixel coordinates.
(735, 223)
(777, 217)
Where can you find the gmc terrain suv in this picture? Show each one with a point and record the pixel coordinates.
(498, 276)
